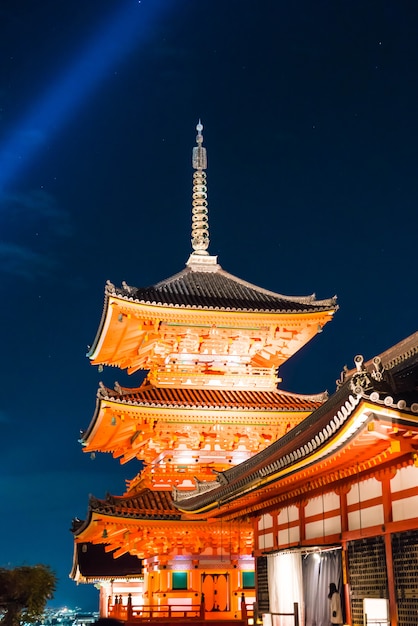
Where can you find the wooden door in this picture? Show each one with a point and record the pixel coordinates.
(215, 588)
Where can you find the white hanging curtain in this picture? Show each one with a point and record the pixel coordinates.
(284, 571)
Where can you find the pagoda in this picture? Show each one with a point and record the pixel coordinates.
(211, 345)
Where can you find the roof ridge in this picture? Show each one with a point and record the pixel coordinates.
(309, 299)
(217, 269)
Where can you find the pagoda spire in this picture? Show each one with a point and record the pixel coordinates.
(200, 222)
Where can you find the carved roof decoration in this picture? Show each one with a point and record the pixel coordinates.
(329, 429)
(396, 367)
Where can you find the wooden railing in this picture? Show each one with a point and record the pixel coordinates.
(129, 612)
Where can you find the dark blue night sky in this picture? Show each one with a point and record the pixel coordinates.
(311, 126)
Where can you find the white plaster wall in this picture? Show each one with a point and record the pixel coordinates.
(371, 516)
(370, 488)
(291, 535)
(405, 508)
(331, 501)
(333, 525)
(289, 514)
(405, 478)
(321, 528)
(314, 530)
(265, 521)
(265, 541)
(314, 507)
(328, 502)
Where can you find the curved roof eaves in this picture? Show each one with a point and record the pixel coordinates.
(146, 504)
(203, 398)
(219, 291)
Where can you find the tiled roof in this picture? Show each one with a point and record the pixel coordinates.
(143, 505)
(217, 290)
(148, 395)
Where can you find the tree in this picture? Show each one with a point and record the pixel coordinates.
(24, 592)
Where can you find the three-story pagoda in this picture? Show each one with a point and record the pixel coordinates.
(212, 345)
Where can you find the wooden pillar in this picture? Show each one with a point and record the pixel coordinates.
(195, 582)
(385, 479)
(165, 578)
(393, 607)
(346, 586)
(302, 533)
(342, 493)
(151, 587)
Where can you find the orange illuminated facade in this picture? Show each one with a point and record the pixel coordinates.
(212, 345)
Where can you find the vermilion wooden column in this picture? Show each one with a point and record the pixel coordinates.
(302, 533)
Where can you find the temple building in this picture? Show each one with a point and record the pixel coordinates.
(212, 345)
(335, 500)
(249, 494)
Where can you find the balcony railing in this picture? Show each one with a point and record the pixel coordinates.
(129, 612)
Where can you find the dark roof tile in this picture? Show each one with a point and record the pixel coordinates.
(145, 504)
(231, 398)
(218, 290)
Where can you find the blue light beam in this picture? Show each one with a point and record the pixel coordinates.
(118, 36)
